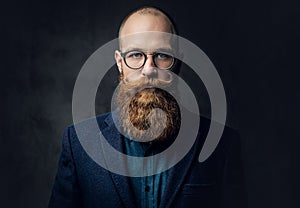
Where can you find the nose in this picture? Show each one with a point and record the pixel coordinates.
(149, 68)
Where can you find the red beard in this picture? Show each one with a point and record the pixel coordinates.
(137, 101)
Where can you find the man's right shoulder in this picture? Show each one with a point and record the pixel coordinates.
(99, 121)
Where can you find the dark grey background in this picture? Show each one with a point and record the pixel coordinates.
(253, 44)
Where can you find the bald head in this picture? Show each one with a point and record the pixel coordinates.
(146, 19)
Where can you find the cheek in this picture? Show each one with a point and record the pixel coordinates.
(126, 71)
(130, 74)
(163, 75)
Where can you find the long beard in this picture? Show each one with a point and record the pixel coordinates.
(147, 114)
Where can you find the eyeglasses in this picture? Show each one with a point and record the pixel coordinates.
(137, 59)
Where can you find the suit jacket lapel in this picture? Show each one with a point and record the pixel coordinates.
(176, 176)
(121, 182)
(178, 173)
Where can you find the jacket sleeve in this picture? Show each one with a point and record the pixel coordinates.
(65, 191)
(234, 189)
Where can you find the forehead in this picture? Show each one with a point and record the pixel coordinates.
(147, 41)
(145, 31)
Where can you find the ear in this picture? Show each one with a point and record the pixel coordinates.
(118, 59)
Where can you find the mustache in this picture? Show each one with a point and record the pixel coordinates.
(146, 82)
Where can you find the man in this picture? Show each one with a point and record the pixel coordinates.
(145, 62)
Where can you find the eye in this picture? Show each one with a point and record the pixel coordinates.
(163, 56)
(135, 55)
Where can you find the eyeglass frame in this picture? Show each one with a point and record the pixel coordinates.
(153, 54)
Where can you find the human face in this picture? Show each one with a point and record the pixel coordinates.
(133, 37)
(139, 91)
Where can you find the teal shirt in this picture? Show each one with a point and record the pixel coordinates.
(148, 190)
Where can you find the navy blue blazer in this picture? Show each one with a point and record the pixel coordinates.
(216, 183)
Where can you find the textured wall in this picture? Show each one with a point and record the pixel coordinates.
(253, 44)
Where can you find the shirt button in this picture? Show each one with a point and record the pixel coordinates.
(147, 188)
